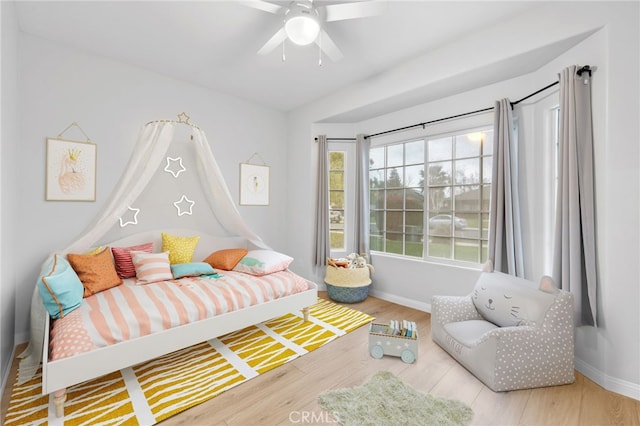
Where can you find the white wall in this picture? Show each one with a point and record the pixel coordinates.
(111, 101)
(9, 135)
(609, 354)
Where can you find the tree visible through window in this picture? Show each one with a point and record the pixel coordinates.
(455, 196)
(337, 199)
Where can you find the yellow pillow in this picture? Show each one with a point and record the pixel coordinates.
(180, 248)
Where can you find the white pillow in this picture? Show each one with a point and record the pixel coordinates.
(263, 262)
(151, 267)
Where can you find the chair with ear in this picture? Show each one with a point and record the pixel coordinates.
(511, 333)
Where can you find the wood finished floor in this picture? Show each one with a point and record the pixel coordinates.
(284, 395)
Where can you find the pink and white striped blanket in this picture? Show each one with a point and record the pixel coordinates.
(129, 311)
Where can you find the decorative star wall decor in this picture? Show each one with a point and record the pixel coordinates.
(132, 215)
(174, 166)
(184, 206)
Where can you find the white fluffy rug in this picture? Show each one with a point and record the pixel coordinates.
(386, 400)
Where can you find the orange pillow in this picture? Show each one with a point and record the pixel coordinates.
(226, 259)
(96, 271)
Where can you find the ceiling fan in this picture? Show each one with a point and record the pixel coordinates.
(304, 22)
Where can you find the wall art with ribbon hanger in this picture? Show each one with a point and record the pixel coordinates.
(254, 183)
(71, 168)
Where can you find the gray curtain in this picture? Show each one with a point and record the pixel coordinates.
(322, 245)
(505, 233)
(361, 225)
(574, 256)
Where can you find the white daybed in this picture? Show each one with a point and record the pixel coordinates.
(59, 374)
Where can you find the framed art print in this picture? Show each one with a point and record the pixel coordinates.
(254, 185)
(71, 170)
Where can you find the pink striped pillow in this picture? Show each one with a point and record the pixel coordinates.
(151, 267)
(122, 258)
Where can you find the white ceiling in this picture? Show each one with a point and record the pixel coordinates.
(214, 43)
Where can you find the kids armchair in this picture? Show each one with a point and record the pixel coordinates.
(509, 332)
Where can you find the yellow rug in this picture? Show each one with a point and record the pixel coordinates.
(150, 392)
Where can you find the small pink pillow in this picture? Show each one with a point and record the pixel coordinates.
(122, 258)
(151, 267)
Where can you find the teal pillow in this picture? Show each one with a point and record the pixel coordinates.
(60, 288)
(193, 269)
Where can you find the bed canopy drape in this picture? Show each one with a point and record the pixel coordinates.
(148, 157)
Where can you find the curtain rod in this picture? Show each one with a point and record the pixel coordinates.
(337, 139)
(585, 68)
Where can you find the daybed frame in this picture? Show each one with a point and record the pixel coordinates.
(60, 374)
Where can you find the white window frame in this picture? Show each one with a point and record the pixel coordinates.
(442, 129)
(349, 149)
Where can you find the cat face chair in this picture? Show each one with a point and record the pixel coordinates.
(511, 333)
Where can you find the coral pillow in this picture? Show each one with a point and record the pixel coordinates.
(151, 267)
(226, 259)
(263, 262)
(59, 286)
(96, 271)
(122, 258)
(180, 248)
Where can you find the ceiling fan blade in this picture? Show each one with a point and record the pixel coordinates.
(342, 11)
(328, 46)
(264, 6)
(273, 42)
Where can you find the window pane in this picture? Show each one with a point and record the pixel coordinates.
(394, 244)
(376, 222)
(414, 152)
(439, 247)
(440, 149)
(487, 143)
(466, 250)
(468, 145)
(467, 198)
(467, 225)
(394, 155)
(336, 180)
(394, 223)
(487, 169)
(414, 224)
(376, 243)
(485, 225)
(414, 199)
(483, 252)
(376, 158)
(376, 199)
(467, 171)
(336, 200)
(376, 179)
(414, 176)
(337, 240)
(486, 197)
(394, 179)
(440, 225)
(440, 199)
(440, 173)
(336, 160)
(395, 199)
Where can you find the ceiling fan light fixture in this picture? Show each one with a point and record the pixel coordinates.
(302, 30)
(301, 23)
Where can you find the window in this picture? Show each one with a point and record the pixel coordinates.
(337, 199)
(454, 193)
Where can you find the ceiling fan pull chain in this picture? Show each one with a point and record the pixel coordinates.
(283, 55)
(320, 49)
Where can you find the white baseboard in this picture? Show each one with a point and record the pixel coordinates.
(410, 303)
(613, 384)
(5, 376)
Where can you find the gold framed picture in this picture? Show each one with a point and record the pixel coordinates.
(254, 185)
(70, 170)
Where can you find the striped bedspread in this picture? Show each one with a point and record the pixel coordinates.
(129, 311)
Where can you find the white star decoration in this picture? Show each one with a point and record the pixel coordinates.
(184, 206)
(133, 213)
(183, 117)
(174, 166)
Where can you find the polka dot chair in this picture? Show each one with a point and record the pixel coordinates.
(511, 333)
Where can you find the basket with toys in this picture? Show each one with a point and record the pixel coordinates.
(348, 279)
